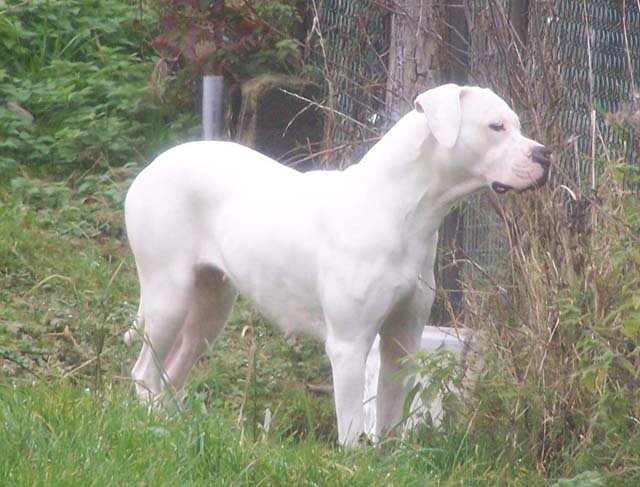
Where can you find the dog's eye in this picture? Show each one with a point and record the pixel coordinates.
(497, 127)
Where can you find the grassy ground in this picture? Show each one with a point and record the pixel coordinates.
(68, 292)
(60, 434)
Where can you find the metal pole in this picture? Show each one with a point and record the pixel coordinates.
(212, 106)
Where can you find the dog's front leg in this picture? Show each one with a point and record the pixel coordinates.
(392, 388)
(347, 364)
(399, 337)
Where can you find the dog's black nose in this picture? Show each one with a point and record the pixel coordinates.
(542, 155)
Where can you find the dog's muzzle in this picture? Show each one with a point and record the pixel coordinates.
(540, 155)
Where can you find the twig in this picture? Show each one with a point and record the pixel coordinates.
(329, 110)
(21, 365)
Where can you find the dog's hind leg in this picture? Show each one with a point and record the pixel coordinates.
(212, 300)
(166, 305)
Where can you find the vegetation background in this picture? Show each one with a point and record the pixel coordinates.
(85, 103)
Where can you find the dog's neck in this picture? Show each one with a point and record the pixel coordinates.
(410, 171)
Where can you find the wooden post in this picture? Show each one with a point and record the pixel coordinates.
(413, 54)
(419, 60)
(519, 17)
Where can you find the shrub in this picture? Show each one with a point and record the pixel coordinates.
(562, 380)
(238, 39)
(74, 88)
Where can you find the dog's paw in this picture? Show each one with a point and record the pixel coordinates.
(130, 337)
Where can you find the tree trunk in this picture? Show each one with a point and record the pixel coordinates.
(414, 65)
(428, 46)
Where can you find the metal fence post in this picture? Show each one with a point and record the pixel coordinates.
(212, 107)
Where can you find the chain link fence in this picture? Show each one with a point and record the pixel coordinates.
(568, 68)
(598, 46)
(581, 59)
(353, 43)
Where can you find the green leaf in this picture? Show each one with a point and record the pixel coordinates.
(631, 327)
(585, 479)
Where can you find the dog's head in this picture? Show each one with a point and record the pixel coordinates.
(483, 136)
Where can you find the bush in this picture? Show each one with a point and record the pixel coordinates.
(561, 385)
(237, 39)
(74, 88)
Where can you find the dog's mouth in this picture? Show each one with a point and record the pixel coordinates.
(500, 188)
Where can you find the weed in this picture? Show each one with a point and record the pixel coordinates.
(563, 358)
(75, 86)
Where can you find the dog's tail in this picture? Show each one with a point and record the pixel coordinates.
(136, 331)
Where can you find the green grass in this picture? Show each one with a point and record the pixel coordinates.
(78, 117)
(60, 434)
(68, 291)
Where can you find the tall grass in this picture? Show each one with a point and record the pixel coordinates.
(60, 434)
(563, 363)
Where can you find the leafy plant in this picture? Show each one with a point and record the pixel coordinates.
(563, 364)
(440, 377)
(74, 85)
(238, 38)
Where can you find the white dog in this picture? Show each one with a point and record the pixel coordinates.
(338, 255)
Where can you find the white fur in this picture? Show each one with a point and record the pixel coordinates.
(338, 255)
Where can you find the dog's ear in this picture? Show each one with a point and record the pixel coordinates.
(441, 106)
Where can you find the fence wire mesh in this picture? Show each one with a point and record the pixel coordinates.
(579, 58)
(354, 38)
(567, 65)
(598, 45)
